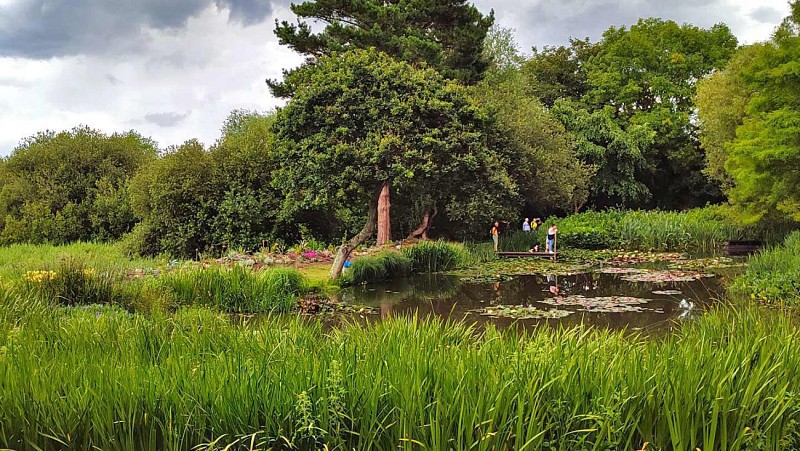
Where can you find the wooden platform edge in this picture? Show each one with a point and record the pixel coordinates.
(527, 254)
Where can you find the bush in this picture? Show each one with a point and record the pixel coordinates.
(236, 290)
(433, 256)
(70, 186)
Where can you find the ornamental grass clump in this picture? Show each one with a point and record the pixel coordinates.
(435, 256)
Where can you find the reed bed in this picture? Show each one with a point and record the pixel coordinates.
(235, 290)
(700, 231)
(78, 379)
(435, 256)
(382, 267)
(773, 275)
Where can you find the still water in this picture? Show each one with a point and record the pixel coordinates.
(592, 298)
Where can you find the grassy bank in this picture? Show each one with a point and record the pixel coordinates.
(17, 259)
(773, 275)
(78, 378)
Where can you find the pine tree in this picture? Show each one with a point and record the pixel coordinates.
(448, 35)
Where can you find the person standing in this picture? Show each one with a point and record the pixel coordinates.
(495, 232)
(551, 238)
(526, 226)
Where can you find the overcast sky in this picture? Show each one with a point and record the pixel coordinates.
(174, 69)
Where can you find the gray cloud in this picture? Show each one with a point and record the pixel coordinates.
(112, 79)
(553, 22)
(43, 29)
(168, 119)
(766, 14)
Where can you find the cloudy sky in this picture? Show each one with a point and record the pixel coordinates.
(174, 69)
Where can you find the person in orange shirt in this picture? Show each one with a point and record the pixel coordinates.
(495, 234)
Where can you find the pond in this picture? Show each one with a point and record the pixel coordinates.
(650, 299)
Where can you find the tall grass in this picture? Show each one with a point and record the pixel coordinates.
(17, 259)
(703, 230)
(236, 290)
(773, 275)
(107, 379)
(434, 256)
(369, 269)
(71, 283)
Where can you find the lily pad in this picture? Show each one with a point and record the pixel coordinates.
(669, 275)
(522, 312)
(668, 292)
(622, 271)
(706, 263)
(604, 304)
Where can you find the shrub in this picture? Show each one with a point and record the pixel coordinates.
(433, 256)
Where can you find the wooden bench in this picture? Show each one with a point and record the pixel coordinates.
(549, 255)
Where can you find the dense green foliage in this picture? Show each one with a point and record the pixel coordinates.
(538, 153)
(70, 186)
(447, 35)
(773, 275)
(362, 118)
(727, 382)
(629, 99)
(754, 135)
(379, 268)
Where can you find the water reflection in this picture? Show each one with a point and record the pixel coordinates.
(449, 297)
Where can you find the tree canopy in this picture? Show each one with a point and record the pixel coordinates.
(635, 88)
(362, 118)
(448, 35)
(69, 186)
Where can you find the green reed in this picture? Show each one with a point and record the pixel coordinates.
(434, 256)
(379, 268)
(235, 290)
(77, 379)
(701, 231)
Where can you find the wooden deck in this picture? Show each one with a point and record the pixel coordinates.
(552, 256)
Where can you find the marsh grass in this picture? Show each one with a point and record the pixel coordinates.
(71, 283)
(773, 275)
(436, 256)
(235, 290)
(105, 378)
(698, 231)
(379, 268)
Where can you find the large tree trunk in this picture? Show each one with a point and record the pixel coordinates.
(369, 227)
(384, 215)
(422, 230)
